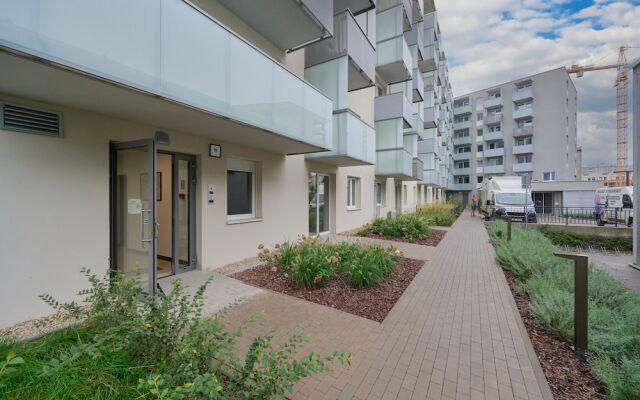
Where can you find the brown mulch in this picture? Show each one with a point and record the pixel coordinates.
(432, 240)
(568, 375)
(372, 303)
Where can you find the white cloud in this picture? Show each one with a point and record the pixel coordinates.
(485, 50)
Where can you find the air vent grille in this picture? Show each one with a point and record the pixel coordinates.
(27, 119)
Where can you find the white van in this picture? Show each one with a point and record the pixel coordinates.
(614, 205)
(503, 196)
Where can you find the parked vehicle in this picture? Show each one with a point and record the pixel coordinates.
(613, 204)
(503, 196)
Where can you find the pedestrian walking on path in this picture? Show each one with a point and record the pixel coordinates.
(474, 205)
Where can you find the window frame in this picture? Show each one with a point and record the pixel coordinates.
(378, 194)
(352, 193)
(247, 166)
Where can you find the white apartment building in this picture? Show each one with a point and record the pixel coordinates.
(158, 137)
(526, 126)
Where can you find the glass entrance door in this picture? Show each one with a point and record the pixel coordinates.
(318, 203)
(184, 208)
(133, 211)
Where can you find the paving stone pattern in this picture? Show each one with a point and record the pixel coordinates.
(454, 334)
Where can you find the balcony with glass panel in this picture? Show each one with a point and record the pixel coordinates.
(491, 136)
(523, 149)
(462, 156)
(418, 169)
(461, 171)
(494, 152)
(493, 102)
(394, 61)
(522, 94)
(393, 106)
(415, 40)
(356, 6)
(461, 109)
(523, 131)
(394, 163)
(348, 40)
(354, 142)
(461, 125)
(524, 112)
(522, 167)
(460, 187)
(287, 24)
(405, 9)
(179, 69)
(493, 169)
(418, 87)
(493, 118)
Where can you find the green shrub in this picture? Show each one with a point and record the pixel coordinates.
(410, 226)
(440, 214)
(564, 238)
(312, 262)
(614, 311)
(162, 348)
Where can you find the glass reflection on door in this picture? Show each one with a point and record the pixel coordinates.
(183, 213)
(318, 203)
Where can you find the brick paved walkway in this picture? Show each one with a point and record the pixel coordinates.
(454, 334)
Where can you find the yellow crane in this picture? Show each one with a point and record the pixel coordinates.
(622, 166)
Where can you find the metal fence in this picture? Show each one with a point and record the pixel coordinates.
(584, 216)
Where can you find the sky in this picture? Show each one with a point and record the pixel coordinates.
(489, 42)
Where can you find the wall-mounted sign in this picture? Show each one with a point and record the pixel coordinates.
(215, 150)
(134, 206)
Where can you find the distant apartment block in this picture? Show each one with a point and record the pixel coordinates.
(526, 126)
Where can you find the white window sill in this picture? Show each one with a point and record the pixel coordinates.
(243, 221)
(353, 208)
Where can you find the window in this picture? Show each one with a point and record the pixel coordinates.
(523, 158)
(241, 189)
(480, 148)
(479, 116)
(462, 179)
(495, 128)
(404, 195)
(352, 192)
(480, 178)
(462, 164)
(479, 132)
(549, 176)
(378, 193)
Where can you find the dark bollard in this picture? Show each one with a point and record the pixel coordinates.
(509, 227)
(581, 302)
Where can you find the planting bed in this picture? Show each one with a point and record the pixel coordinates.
(568, 375)
(369, 302)
(435, 236)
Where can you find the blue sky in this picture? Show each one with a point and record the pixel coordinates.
(493, 41)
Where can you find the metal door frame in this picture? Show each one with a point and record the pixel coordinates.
(175, 181)
(327, 202)
(113, 174)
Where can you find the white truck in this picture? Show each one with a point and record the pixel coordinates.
(503, 196)
(614, 205)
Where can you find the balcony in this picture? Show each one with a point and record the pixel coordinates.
(493, 102)
(523, 131)
(491, 136)
(493, 169)
(461, 171)
(523, 167)
(415, 37)
(394, 61)
(526, 112)
(418, 169)
(418, 86)
(287, 24)
(460, 187)
(407, 10)
(457, 141)
(348, 40)
(430, 178)
(491, 119)
(396, 163)
(392, 106)
(461, 156)
(353, 142)
(523, 94)
(523, 149)
(178, 69)
(430, 61)
(479, 170)
(494, 152)
(356, 6)
(462, 110)
(461, 125)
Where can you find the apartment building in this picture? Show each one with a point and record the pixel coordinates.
(526, 126)
(180, 134)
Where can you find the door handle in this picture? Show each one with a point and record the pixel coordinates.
(142, 228)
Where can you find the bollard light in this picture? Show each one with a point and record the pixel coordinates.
(581, 300)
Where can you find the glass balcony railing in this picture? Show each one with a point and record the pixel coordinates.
(523, 94)
(523, 131)
(493, 169)
(418, 169)
(523, 167)
(494, 152)
(462, 171)
(494, 118)
(491, 136)
(460, 186)
(392, 106)
(493, 102)
(354, 142)
(461, 125)
(172, 50)
(523, 112)
(461, 110)
(461, 156)
(394, 61)
(394, 163)
(462, 140)
(523, 149)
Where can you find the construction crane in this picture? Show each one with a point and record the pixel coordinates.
(622, 166)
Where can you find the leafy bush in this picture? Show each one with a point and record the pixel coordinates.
(614, 311)
(564, 238)
(440, 214)
(410, 226)
(164, 343)
(312, 262)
